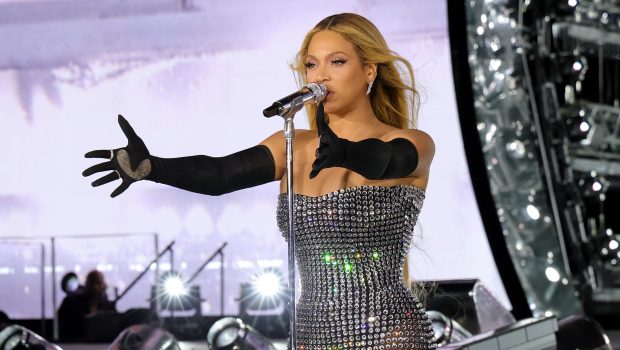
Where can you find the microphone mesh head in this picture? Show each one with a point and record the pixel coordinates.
(319, 91)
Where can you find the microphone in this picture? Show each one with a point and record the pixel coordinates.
(289, 105)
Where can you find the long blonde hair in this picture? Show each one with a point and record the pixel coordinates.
(395, 102)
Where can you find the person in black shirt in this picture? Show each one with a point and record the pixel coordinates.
(86, 302)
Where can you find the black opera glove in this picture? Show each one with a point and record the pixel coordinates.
(372, 158)
(216, 175)
(201, 174)
(130, 164)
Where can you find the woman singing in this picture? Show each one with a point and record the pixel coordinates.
(359, 183)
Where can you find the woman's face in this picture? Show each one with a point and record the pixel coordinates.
(332, 60)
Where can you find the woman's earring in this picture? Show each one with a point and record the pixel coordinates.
(369, 87)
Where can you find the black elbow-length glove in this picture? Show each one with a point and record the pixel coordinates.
(202, 174)
(372, 158)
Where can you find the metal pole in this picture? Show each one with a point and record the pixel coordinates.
(289, 134)
(43, 330)
(172, 271)
(55, 331)
(287, 112)
(156, 284)
(221, 283)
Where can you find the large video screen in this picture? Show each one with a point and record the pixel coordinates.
(190, 81)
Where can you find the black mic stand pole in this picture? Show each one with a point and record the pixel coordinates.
(146, 269)
(219, 251)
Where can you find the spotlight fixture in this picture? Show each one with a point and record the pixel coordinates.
(579, 65)
(263, 303)
(609, 248)
(174, 294)
(578, 126)
(173, 286)
(232, 333)
(15, 337)
(566, 7)
(267, 290)
(446, 330)
(145, 337)
(268, 284)
(593, 185)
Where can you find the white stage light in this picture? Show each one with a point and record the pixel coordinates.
(174, 286)
(268, 284)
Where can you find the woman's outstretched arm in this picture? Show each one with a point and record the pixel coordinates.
(202, 174)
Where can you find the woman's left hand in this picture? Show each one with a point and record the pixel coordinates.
(331, 151)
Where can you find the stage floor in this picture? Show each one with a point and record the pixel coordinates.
(185, 345)
(614, 336)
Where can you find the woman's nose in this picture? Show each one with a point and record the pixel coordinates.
(321, 74)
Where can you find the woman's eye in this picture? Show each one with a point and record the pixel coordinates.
(309, 65)
(338, 62)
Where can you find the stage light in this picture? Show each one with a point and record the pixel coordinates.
(571, 72)
(566, 7)
(533, 212)
(552, 274)
(268, 284)
(16, 337)
(578, 65)
(232, 333)
(446, 330)
(609, 247)
(173, 294)
(593, 185)
(172, 291)
(516, 149)
(174, 286)
(268, 288)
(578, 126)
(263, 303)
(144, 337)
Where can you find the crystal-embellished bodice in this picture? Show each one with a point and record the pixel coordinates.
(350, 248)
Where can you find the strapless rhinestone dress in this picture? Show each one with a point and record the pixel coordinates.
(351, 245)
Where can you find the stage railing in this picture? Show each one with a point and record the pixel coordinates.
(42, 273)
(53, 267)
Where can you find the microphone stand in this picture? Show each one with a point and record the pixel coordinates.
(286, 108)
(219, 251)
(146, 269)
(289, 135)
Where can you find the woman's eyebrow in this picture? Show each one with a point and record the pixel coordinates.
(328, 55)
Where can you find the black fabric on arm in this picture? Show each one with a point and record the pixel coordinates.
(216, 175)
(377, 160)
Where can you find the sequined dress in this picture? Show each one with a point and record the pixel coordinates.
(350, 248)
